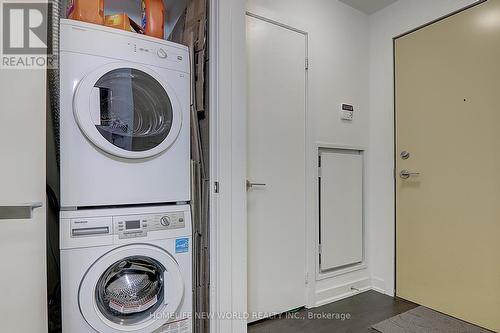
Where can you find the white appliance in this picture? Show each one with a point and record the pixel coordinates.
(124, 121)
(127, 270)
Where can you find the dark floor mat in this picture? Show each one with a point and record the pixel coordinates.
(424, 320)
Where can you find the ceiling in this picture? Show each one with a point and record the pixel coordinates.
(369, 6)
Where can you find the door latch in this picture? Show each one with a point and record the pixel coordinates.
(405, 174)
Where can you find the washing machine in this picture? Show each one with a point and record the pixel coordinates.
(124, 118)
(127, 270)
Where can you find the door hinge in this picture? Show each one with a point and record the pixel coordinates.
(307, 278)
(319, 166)
(307, 64)
(216, 187)
(319, 249)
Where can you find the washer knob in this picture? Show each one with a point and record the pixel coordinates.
(162, 53)
(165, 221)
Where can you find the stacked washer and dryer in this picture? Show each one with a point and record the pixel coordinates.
(125, 229)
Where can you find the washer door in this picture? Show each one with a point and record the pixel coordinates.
(136, 288)
(127, 110)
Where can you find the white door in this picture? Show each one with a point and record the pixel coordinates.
(276, 167)
(23, 278)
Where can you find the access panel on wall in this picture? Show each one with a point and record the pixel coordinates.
(341, 208)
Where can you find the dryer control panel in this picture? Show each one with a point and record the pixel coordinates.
(138, 226)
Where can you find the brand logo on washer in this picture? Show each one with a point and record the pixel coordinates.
(182, 245)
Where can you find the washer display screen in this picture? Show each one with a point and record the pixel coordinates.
(132, 225)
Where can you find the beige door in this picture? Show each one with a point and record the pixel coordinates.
(448, 121)
(23, 278)
(276, 167)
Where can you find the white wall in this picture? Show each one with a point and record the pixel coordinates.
(338, 73)
(395, 20)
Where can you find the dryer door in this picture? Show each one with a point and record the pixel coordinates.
(136, 288)
(128, 110)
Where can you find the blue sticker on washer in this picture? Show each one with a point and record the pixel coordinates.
(182, 245)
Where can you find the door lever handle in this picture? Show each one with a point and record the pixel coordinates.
(405, 174)
(19, 212)
(251, 185)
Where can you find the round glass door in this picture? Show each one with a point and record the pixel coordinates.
(131, 290)
(135, 289)
(135, 112)
(128, 110)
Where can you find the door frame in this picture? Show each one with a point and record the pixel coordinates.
(310, 231)
(228, 221)
(395, 152)
(228, 167)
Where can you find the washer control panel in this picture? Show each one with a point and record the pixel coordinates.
(138, 226)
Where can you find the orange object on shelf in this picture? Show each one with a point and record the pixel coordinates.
(153, 18)
(118, 21)
(91, 11)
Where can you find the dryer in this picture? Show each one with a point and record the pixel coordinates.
(127, 270)
(124, 118)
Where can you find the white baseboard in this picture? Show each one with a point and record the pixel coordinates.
(379, 285)
(337, 293)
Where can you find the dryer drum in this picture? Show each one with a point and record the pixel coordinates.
(131, 290)
(135, 110)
